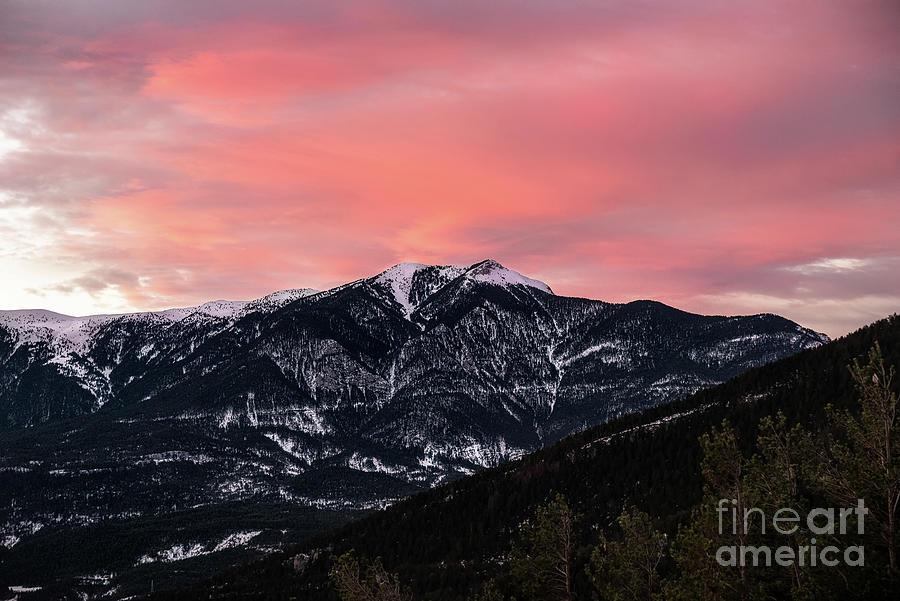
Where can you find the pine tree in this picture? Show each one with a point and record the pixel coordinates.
(723, 469)
(356, 582)
(700, 577)
(776, 479)
(627, 569)
(697, 543)
(543, 559)
(864, 461)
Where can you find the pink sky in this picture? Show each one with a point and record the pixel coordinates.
(722, 157)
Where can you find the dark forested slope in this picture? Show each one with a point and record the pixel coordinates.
(445, 542)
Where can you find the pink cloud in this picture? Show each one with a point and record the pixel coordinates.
(693, 153)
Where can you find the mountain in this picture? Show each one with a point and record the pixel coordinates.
(56, 366)
(446, 542)
(215, 433)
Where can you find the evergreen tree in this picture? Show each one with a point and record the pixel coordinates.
(723, 469)
(864, 459)
(777, 477)
(627, 570)
(543, 559)
(700, 577)
(355, 582)
(698, 544)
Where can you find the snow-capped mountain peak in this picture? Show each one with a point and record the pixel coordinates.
(492, 272)
(35, 325)
(398, 281)
(410, 284)
(217, 308)
(71, 333)
(278, 299)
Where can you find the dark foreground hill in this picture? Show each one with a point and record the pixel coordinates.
(444, 543)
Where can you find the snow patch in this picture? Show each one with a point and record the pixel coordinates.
(276, 300)
(236, 540)
(97, 579)
(613, 352)
(397, 282)
(371, 464)
(182, 551)
(398, 279)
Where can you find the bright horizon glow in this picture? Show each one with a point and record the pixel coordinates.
(723, 158)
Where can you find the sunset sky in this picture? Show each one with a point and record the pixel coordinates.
(723, 157)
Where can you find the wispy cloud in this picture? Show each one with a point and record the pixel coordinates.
(725, 157)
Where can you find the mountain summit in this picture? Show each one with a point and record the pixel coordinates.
(410, 284)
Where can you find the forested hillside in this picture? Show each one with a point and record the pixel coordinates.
(450, 542)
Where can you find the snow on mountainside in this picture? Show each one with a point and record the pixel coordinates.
(493, 273)
(397, 282)
(384, 329)
(66, 343)
(333, 401)
(38, 323)
(410, 284)
(276, 300)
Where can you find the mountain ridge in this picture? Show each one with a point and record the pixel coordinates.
(332, 403)
(433, 296)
